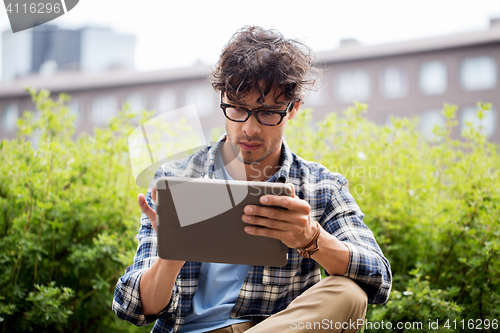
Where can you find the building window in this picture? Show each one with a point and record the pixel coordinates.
(433, 80)
(318, 96)
(486, 126)
(353, 85)
(136, 102)
(478, 73)
(9, 117)
(393, 82)
(74, 108)
(204, 99)
(429, 119)
(103, 108)
(165, 101)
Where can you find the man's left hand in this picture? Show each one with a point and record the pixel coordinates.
(293, 225)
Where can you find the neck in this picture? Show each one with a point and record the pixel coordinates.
(261, 171)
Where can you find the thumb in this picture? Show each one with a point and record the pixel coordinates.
(150, 213)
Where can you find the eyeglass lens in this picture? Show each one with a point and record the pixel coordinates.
(240, 114)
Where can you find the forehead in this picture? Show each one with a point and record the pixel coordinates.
(256, 98)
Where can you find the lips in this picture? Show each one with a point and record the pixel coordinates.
(249, 146)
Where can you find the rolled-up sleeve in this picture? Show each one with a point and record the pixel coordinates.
(368, 266)
(127, 300)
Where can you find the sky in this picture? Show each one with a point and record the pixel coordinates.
(180, 33)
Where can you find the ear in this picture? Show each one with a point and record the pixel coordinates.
(294, 110)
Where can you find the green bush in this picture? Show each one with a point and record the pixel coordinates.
(416, 308)
(432, 204)
(68, 219)
(68, 215)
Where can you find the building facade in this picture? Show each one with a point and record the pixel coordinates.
(399, 79)
(47, 49)
(416, 78)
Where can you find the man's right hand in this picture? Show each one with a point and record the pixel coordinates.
(158, 281)
(150, 213)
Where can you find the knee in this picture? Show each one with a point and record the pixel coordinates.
(349, 295)
(359, 302)
(356, 295)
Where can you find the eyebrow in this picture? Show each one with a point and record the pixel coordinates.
(274, 106)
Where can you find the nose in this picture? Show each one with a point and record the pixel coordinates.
(252, 127)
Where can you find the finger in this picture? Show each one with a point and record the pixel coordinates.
(273, 213)
(291, 235)
(153, 194)
(150, 213)
(266, 232)
(294, 204)
(271, 224)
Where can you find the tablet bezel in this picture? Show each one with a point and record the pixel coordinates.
(220, 238)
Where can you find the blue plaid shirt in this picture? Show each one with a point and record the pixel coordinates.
(266, 290)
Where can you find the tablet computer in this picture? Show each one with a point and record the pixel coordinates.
(200, 220)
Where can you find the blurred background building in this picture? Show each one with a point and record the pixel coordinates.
(47, 49)
(95, 66)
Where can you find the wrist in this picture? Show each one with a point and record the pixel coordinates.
(163, 267)
(169, 264)
(334, 255)
(312, 246)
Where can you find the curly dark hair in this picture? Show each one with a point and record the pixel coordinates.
(256, 60)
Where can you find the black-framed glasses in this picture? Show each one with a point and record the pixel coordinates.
(265, 117)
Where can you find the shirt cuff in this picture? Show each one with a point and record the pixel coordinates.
(354, 259)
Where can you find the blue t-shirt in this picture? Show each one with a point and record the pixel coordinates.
(218, 287)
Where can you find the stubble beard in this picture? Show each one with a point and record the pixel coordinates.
(239, 155)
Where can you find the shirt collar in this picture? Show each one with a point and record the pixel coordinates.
(281, 176)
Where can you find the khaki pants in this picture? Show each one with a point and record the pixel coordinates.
(335, 304)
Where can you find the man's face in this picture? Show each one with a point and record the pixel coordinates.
(253, 140)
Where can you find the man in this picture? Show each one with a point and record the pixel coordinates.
(261, 77)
